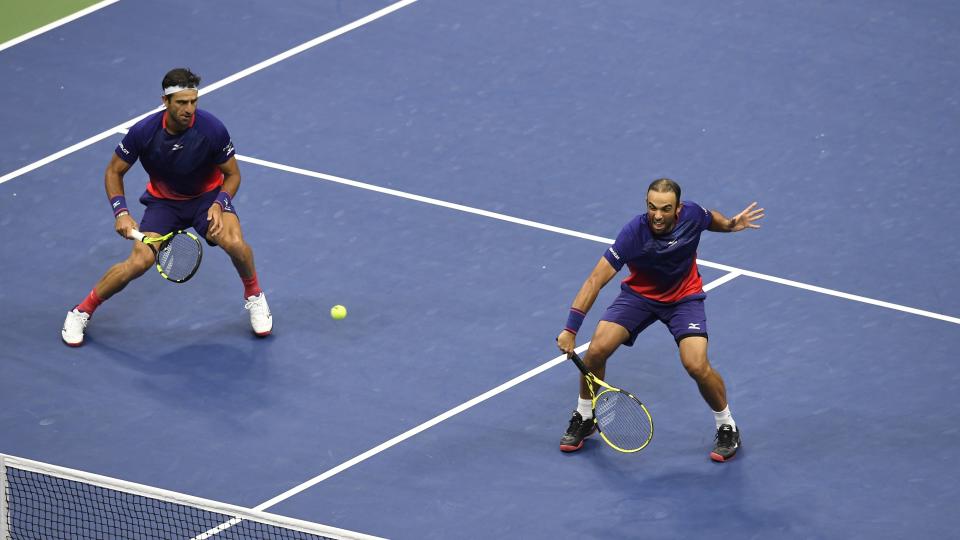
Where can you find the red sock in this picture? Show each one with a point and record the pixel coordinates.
(90, 303)
(251, 287)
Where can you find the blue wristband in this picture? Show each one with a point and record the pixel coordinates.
(574, 320)
(118, 204)
(223, 199)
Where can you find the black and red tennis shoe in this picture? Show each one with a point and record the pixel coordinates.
(578, 430)
(728, 441)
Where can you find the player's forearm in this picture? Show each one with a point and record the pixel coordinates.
(720, 222)
(602, 273)
(231, 184)
(582, 303)
(587, 295)
(113, 183)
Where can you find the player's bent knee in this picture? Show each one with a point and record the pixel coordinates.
(596, 356)
(699, 370)
(137, 264)
(231, 243)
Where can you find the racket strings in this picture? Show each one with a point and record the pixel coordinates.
(623, 420)
(178, 257)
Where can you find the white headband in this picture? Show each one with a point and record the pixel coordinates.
(174, 89)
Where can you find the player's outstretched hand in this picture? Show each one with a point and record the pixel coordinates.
(745, 219)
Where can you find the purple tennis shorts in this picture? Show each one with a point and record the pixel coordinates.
(168, 215)
(684, 318)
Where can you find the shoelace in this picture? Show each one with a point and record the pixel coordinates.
(724, 438)
(256, 304)
(84, 318)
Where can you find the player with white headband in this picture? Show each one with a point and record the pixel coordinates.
(170, 90)
(193, 177)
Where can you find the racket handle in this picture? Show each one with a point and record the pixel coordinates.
(576, 360)
(136, 235)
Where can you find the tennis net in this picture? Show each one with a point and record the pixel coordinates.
(43, 501)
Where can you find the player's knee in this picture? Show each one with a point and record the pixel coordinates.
(596, 356)
(138, 263)
(231, 242)
(228, 237)
(699, 370)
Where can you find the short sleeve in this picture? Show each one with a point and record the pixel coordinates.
(129, 148)
(625, 248)
(702, 216)
(223, 145)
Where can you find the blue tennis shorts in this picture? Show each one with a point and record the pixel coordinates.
(684, 318)
(168, 215)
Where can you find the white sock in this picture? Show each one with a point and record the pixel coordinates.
(724, 417)
(585, 408)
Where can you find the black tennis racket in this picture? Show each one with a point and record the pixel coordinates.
(623, 420)
(178, 254)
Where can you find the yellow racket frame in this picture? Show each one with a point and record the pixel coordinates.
(593, 380)
(159, 240)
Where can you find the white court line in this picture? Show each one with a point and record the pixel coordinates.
(308, 45)
(214, 86)
(600, 239)
(419, 198)
(365, 20)
(444, 416)
(411, 432)
(116, 485)
(733, 274)
(720, 281)
(65, 152)
(831, 292)
(54, 24)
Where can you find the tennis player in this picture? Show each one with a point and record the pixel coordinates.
(660, 249)
(193, 177)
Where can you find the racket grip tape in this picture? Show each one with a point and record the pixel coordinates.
(576, 360)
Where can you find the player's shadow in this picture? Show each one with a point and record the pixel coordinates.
(209, 379)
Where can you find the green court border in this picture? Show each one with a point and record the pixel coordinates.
(23, 16)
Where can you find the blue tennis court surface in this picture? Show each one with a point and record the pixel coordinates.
(449, 171)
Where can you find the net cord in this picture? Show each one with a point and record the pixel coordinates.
(237, 512)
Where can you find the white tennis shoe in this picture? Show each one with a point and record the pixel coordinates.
(74, 326)
(260, 317)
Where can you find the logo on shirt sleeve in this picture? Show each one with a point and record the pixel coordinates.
(614, 253)
(123, 148)
(228, 149)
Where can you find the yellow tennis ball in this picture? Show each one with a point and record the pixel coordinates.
(338, 312)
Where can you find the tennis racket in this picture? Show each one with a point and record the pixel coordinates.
(178, 254)
(623, 420)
